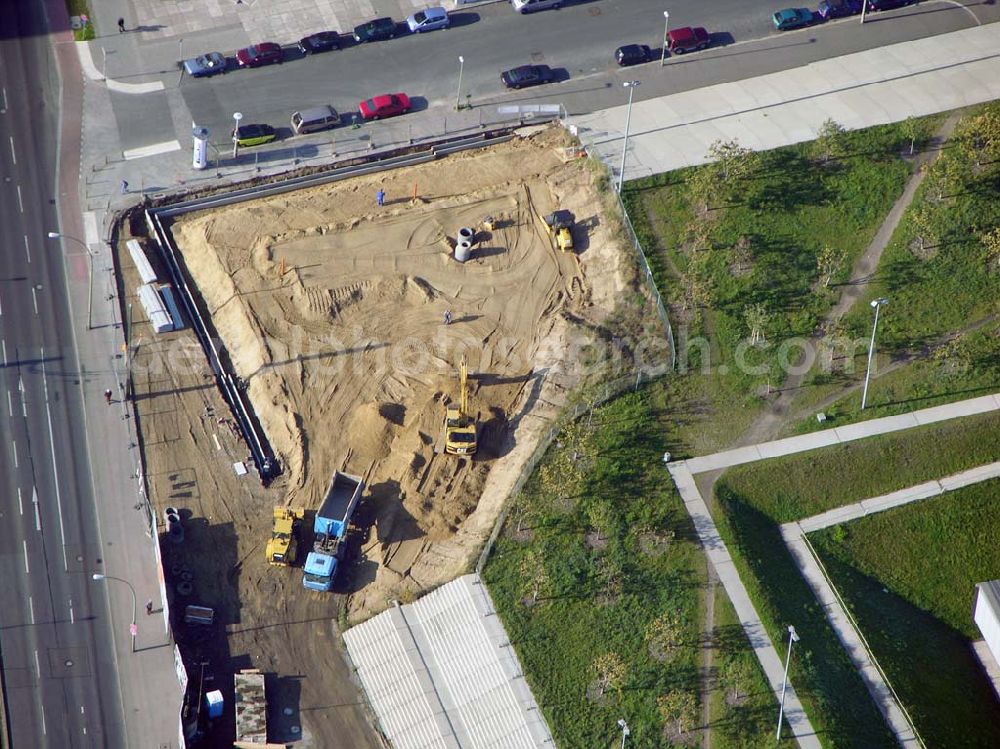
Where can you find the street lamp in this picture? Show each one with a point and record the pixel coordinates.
(90, 285)
(133, 629)
(630, 85)
(236, 133)
(666, 29)
(792, 637)
(876, 304)
(625, 732)
(458, 94)
(864, 10)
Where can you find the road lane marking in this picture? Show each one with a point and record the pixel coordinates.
(4, 342)
(27, 249)
(1, 308)
(38, 668)
(10, 405)
(13, 444)
(38, 514)
(72, 620)
(31, 609)
(55, 468)
(27, 570)
(152, 150)
(42, 707)
(13, 153)
(19, 505)
(34, 299)
(20, 202)
(4, 107)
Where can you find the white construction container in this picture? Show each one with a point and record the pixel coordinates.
(140, 261)
(156, 311)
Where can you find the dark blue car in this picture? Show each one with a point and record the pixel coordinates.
(839, 8)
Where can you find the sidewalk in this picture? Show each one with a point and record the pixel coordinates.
(868, 88)
(794, 534)
(683, 473)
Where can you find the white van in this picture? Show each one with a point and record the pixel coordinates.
(528, 6)
(314, 119)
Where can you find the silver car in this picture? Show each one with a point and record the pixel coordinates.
(205, 65)
(430, 19)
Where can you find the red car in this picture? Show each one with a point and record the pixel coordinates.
(385, 105)
(265, 53)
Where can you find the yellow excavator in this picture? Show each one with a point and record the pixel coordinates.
(283, 546)
(459, 424)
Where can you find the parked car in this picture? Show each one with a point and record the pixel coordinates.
(256, 55)
(206, 65)
(888, 4)
(375, 31)
(384, 105)
(526, 75)
(254, 135)
(687, 39)
(632, 54)
(839, 8)
(322, 41)
(792, 18)
(430, 19)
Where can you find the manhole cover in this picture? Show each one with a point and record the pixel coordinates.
(69, 663)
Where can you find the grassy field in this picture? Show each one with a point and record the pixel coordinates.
(908, 576)
(805, 484)
(599, 593)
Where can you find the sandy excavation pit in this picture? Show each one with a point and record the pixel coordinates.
(332, 310)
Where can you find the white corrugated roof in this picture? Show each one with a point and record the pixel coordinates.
(441, 674)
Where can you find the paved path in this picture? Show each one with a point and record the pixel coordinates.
(683, 473)
(794, 534)
(868, 88)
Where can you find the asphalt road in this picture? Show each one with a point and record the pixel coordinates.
(577, 41)
(60, 677)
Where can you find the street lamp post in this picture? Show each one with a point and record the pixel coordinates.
(237, 116)
(625, 732)
(90, 282)
(630, 85)
(792, 637)
(864, 10)
(133, 629)
(877, 304)
(458, 94)
(666, 30)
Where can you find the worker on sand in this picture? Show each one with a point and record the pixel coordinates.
(107, 396)
(380, 197)
(447, 317)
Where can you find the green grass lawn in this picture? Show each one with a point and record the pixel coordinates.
(908, 576)
(798, 486)
(580, 613)
(80, 8)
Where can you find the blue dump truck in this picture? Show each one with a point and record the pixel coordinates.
(330, 529)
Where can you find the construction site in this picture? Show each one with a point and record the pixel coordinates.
(418, 345)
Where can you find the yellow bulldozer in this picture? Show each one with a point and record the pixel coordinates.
(459, 424)
(560, 225)
(283, 546)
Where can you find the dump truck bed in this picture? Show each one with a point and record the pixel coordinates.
(338, 505)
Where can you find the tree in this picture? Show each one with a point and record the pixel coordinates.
(601, 516)
(756, 317)
(737, 674)
(533, 575)
(991, 244)
(611, 576)
(610, 671)
(742, 255)
(979, 137)
(519, 510)
(910, 131)
(948, 174)
(698, 234)
(678, 708)
(830, 141)
(923, 229)
(828, 262)
(735, 161)
(702, 189)
(665, 634)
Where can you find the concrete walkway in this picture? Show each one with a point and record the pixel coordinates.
(887, 84)
(683, 473)
(854, 643)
